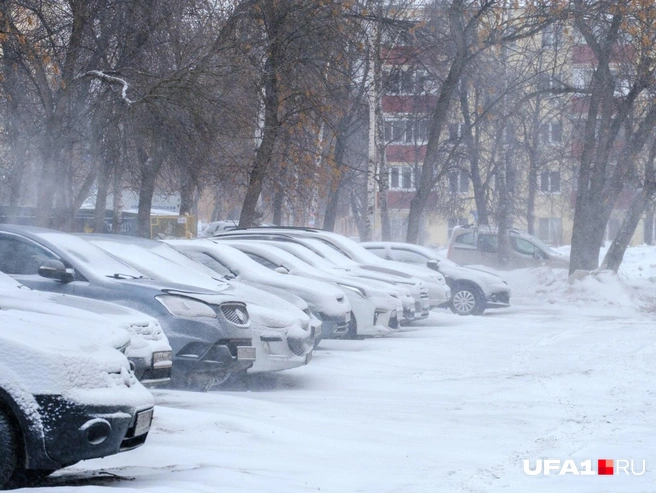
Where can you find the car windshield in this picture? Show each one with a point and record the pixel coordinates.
(331, 254)
(183, 271)
(305, 254)
(94, 258)
(278, 256)
(236, 260)
(543, 246)
(210, 262)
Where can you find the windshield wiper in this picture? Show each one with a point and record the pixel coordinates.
(125, 276)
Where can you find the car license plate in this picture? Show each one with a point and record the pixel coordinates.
(144, 420)
(308, 357)
(246, 353)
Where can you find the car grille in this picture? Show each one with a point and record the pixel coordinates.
(157, 374)
(235, 313)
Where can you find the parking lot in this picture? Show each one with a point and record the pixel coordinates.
(453, 405)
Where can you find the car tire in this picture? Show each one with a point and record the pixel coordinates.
(352, 332)
(467, 300)
(8, 450)
(30, 477)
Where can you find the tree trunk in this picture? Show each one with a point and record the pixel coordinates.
(117, 202)
(439, 119)
(330, 216)
(640, 202)
(101, 199)
(357, 215)
(615, 253)
(482, 215)
(649, 225)
(150, 167)
(265, 150)
(146, 192)
(187, 193)
(278, 199)
(532, 192)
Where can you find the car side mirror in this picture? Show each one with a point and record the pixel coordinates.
(55, 269)
(536, 255)
(433, 264)
(281, 270)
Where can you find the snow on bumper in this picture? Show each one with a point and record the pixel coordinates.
(281, 349)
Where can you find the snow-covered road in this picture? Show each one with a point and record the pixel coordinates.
(454, 405)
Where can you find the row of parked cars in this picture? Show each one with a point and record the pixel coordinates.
(89, 320)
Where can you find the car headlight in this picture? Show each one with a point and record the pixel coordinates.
(353, 288)
(162, 359)
(180, 306)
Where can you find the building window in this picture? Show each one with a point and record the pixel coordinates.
(551, 230)
(395, 130)
(551, 133)
(401, 178)
(408, 81)
(550, 182)
(411, 132)
(458, 182)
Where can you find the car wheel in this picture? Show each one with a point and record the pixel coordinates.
(30, 477)
(8, 450)
(467, 301)
(200, 382)
(353, 328)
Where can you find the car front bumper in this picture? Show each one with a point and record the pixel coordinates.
(73, 431)
(281, 349)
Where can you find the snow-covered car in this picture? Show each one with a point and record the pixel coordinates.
(149, 350)
(472, 290)
(326, 301)
(438, 291)
(412, 292)
(405, 302)
(216, 227)
(210, 338)
(65, 395)
(373, 310)
(478, 245)
(283, 335)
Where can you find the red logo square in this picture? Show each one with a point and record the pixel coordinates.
(605, 467)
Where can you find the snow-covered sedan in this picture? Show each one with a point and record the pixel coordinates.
(65, 395)
(472, 290)
(374, 310)
(282, 334)
(438, 291)
(149, 351)
(210, 338)
(326, 301)
(411, 292)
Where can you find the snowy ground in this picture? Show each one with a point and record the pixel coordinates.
(455, 405)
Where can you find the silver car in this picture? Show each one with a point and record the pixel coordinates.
(479, 246)
(472, 290)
